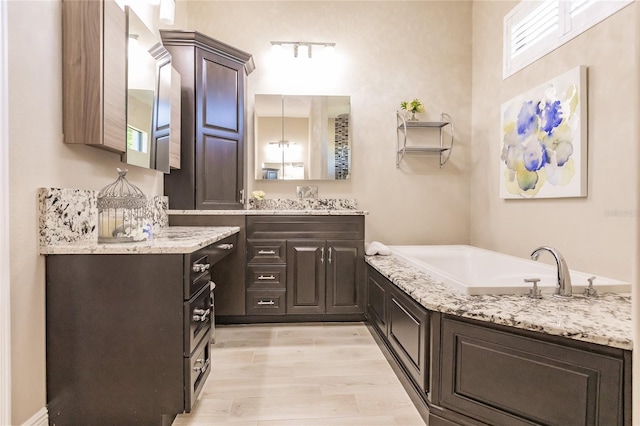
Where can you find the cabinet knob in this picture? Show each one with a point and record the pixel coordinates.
(266, 302)
(266, 252)
(226, 246)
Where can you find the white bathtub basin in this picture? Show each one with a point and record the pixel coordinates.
(475, 271)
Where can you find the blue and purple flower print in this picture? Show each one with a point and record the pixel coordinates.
(539, 132)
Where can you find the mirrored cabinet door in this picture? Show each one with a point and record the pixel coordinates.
(301, 137)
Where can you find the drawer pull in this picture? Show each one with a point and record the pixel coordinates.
(266, 252)
(226, 246)
(266, 302)
(203, 368)
(266, 277)
(201, 314)
(200, 267)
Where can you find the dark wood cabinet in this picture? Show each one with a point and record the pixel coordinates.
(324, 277)
(229, 275)
(408, 335)
(472, 372)
(306, 277)
(213, 74)
(503, 378)
(314, 263)
(377, 288)
(128, 335)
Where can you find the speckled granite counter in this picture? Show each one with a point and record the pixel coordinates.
(605, 320)
(288, 207)
(173, 239)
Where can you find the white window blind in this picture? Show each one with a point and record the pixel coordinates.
(536, 27)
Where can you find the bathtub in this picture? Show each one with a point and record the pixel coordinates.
(475, 271)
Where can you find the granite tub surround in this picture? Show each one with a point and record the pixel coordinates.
(172, 239)
(604, 320)
(71, 215)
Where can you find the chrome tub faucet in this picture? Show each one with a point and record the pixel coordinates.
(564, 278)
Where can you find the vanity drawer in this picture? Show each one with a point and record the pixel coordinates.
(267, 277)
(197, 319)
(266, 251)
(197, 368)
(266, 302)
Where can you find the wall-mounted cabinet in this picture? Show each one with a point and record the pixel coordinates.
(405, 127)
(120, 92)
(94, 74)
(211, 174)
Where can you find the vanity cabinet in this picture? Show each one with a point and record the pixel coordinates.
(94, 107)
(465, 371)
(305, 267)
(229, 275)
(211, 174)
(127, 339)
(324, 276)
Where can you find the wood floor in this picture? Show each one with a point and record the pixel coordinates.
(324, 374)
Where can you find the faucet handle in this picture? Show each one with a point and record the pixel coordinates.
(590, 291)
(535, 292)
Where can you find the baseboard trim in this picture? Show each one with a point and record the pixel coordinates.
(41, 418)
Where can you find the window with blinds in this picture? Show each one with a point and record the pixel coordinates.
(536, 27)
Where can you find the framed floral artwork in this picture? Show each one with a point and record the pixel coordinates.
(544, 140)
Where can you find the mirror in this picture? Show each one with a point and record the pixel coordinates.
(145, 56)
(302, 137)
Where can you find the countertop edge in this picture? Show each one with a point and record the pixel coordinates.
(267, 212)
(171, 240)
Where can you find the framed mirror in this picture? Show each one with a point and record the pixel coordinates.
(145, 57)
(301, 137)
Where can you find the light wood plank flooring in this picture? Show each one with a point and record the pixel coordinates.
(325, 374)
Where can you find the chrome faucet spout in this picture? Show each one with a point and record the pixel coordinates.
(564, 278)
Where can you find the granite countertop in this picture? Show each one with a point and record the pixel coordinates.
(172, 239)
(605, 320)
(257, 212)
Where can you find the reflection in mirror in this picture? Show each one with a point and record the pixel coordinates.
(144, 53)
(302, 137)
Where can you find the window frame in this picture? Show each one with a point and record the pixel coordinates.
(568, 28)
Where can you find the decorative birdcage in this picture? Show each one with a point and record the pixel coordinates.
(121, 212)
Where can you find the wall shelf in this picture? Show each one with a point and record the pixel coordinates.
(404, 126)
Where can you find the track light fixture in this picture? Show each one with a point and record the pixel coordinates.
(302, 48)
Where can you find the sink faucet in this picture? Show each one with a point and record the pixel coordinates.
(564, 278)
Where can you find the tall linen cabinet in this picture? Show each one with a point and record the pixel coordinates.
(211, 174)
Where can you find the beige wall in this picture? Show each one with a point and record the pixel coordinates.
(37, 158)
(579, 228)
(386, 52)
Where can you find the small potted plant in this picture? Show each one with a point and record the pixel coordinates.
(414, 106)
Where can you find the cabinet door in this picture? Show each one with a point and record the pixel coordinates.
(502, 378)
(408, 324)
(306, 276)
(345, 277)
(376, 300)
(94, 37)
(219, 132)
